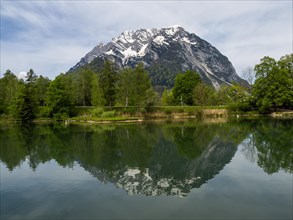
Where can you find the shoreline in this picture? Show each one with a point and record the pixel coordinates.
(213, 116)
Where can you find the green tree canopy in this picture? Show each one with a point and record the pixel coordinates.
(134, 87)
(273, 87)
(203, 95)
(96, 92)
(125, 87)
(9, 86)
(58, 99)
(108, 80)
(24, 105)
(167, 97)
(84, 87)
(142, 86)
(42, 84)
(184, 86)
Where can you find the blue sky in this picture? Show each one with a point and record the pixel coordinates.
(52, 36)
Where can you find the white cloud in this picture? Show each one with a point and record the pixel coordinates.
(51, 36)
(58, 57)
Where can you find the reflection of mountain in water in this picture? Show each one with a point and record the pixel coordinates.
(151, 159)
(168, 173)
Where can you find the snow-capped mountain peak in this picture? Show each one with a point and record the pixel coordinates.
(172, 49)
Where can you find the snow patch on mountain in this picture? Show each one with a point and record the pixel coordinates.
(142, 50)
(186, 40)
(159, 40)
(172, 30)
(110, 52)
(128, 36)
(129, 53)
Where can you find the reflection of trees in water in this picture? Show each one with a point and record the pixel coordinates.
(249, 150)
(270, 145)
(104, 146)
(159, 157)
(149, 158)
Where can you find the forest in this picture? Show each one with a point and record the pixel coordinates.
(40, 97)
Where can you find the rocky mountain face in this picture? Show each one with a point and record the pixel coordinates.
(165, 52)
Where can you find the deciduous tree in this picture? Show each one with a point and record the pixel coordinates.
(167, 98)
(203, 95)
(249, 75)
(183, 87)
(134, 87)
(125, 87)
(108, 79)
(9, 86)
(58, 98)
(273, 87)
(42, 84)
(96, 92)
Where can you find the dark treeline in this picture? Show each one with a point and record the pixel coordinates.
(37, 96)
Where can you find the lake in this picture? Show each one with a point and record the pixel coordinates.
(240, 169)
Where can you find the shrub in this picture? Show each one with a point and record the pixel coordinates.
(108, 114)
(130, 110)
(168, 112)
(60, 116)
(97, 112)
(44, 111)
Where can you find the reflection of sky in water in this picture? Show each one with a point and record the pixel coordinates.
(240, 190)
(244, 190)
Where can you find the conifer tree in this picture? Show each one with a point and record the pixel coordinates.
(25, 105)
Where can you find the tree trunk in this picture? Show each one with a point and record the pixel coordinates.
(126, 102)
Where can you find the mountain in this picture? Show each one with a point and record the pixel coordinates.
(165, 52)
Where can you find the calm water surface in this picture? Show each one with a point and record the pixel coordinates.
(184, 170)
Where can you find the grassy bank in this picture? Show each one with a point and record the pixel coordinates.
(149, 113)
(90, 114)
